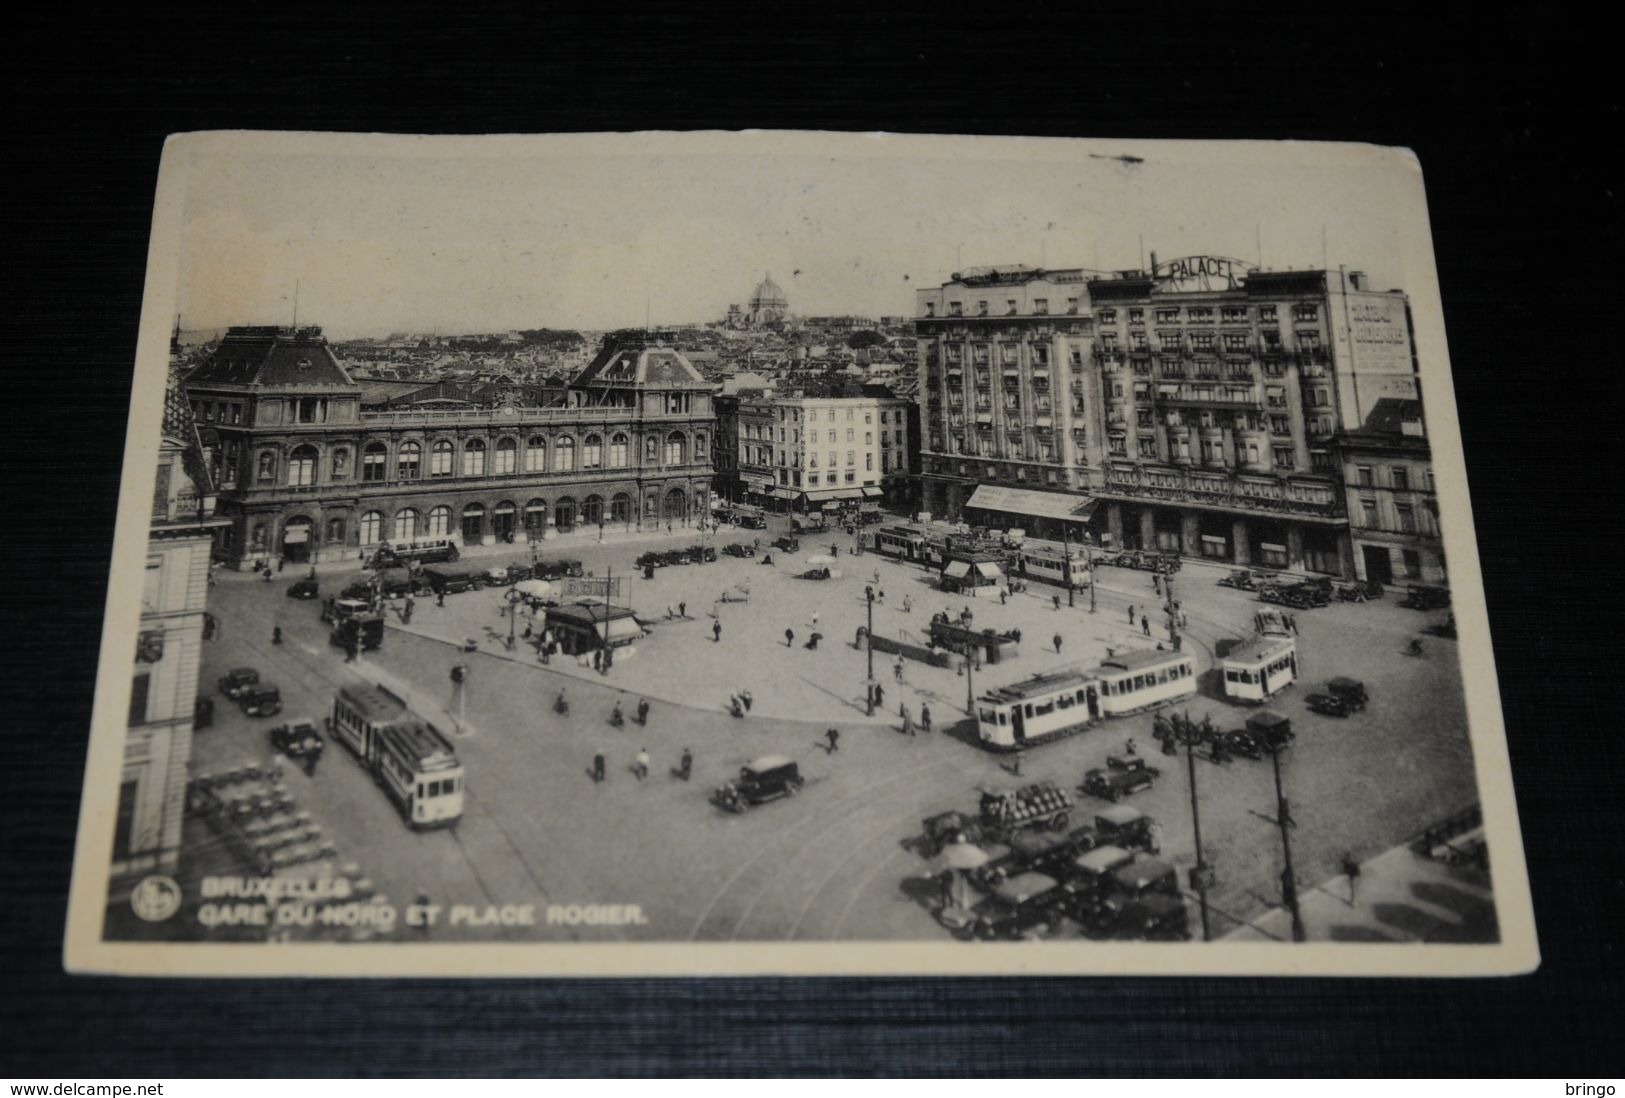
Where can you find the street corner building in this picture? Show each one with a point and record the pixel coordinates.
(168, 651)
(312, 467)
(1202, 406)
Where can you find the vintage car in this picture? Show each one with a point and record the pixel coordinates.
(496, 577)
(739, 549)
(1088, 880)
(786, 543)
(1128, 885)
(1027, 851)
(766, 779)
(1026, 906)
(343, 609)
(1241, 742)
(1125, 762)
(203, 713)
(1352, 691)
(261, 700)
(654, 558)
(446, 581)
(1270, 729)
(1328, 705)
(1114, 785)
(699, 554)
(947, 828)
(558, 569)
(1155, 917)
(1126, 826)
(747, 520)
(238, 681)
(304, 589)
(297, 739)
(364, 630)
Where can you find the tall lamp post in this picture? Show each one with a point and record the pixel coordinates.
(1190, 734)
(869, 644)
(1066, 559)
(1089, 555)
(1168, 606)
(1283, 819)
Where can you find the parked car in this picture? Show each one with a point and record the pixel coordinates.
(1328, 705)
(1027, 851)
(343, 609)
(1131, 884)
(766, 779)
(450, 582)
(297, 739)
(304, 589)
(261, 700)
(786, 543)
(947, 828)
(238, 681)
(747, 520)
(1155, 917)
(1114, 785)
(496, 577)
(1126, 826)
(1352, 691)
(203, 713)
(1088, 880)
(1270, 729)
(739, 549)
(652, 559)
(366, 630)
(558, 569)
(1026, 906)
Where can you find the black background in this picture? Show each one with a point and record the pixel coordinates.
(1514, 112)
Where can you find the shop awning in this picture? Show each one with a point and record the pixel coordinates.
(956, 568)
(1026, 501)
(783, 493)
(871, 492)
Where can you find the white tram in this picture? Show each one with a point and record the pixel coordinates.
(1050, 564)
(901, 542)
(1257, 669)
(405, 753)
(1142, 679)
(1042, 708)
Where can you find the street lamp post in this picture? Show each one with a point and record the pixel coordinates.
(1190, 734)
(1168, 606)
(869, 644)
(970, 687)
(1089, 552)
(1283, 819)
(1066, 559)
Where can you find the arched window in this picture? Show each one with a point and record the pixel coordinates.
(473, 522)
(507, 456)
(675, 448)
(302, 467)
(564, 514)
(617, 451)
(620, 508)
(592, 452)
(592, 511)
(474, 458)
(341, 463)
(335, 531)
(536, 454)
(440, 458)
(439, 522)
(564, 454)
(406, 524)
(535, 518)
(372, 524)
(374, 461)
(267, 466)
(409, 461)
(676, 505)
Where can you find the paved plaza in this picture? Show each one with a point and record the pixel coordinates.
(834, 862)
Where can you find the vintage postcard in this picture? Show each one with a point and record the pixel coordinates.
(796, 553)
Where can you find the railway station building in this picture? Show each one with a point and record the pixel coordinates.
(308, 471)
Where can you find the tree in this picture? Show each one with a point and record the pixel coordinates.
(859, 340)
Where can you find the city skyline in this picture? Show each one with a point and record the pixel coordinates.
(620, 232)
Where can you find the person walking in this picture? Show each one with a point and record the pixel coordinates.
(745, 696)
(1145, 625)
(276, 634)
(789, 638)
(682, 609)
(406, 614)
(833, 735)
(440, 597)
(640, 765)
(897, 669)
(716, 631)
(1129, 747)
(1156, 582)
(1056, 599)
(1131, 613)
(880, 695)
(643, 711)
(310, 760)
(908, 604)
(1057, 644)
(616, 717)
(925, 718)
(908, 721)
(685, 765)
(1004, 596)
(281, 562)
(598, 767)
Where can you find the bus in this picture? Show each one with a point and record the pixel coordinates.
(1045, 707)
(426, 551)
(1132, 682)
(1050, 563)
(1256, 670)
(405, 753)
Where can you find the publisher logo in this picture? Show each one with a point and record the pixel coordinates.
(156, 899)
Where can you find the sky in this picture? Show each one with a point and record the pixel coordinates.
(454, 235)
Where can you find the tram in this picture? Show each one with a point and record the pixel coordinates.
(901, 542)
(1258, 669)
(1050, 564)
(405, 753)
(1134, 681)
(1043, 708)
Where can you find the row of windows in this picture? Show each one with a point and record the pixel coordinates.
(1399, 477)
(1128, 685)
(793, 415)
(1012, 307)
(476, 459)
(832, 435)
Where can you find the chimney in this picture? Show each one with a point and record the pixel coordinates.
(1153, 262)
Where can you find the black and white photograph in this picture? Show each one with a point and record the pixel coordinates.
(803, 553)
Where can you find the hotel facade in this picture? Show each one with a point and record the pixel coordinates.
(1190, 408)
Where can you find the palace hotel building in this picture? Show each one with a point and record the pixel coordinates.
(307, 471)
(1191, 408)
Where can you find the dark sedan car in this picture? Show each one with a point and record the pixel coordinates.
(297, 739)
(304, 589)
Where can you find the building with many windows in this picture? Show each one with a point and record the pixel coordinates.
(169, 648)
(805, 452)
(1393, 508)
(306, 473)
(1200, 400)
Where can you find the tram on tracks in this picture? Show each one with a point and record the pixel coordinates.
(1047, 707)
(1054, 564)
(1256, 670)
(406, 755)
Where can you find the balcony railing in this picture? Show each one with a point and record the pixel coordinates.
(1212, 491)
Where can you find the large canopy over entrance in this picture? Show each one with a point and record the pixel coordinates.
(1026, 501)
